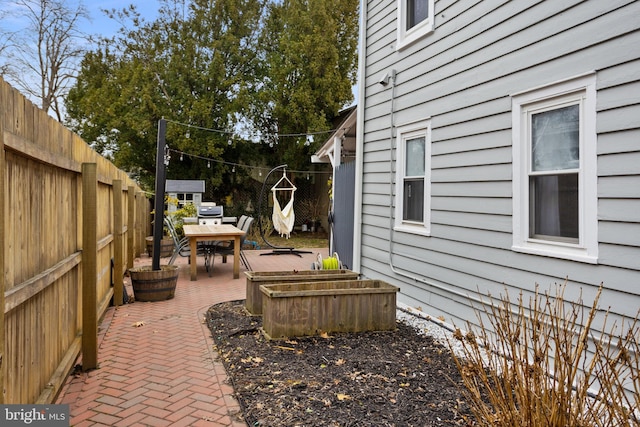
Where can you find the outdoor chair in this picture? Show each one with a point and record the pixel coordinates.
(209, 248)
(225, 249)
(181, 245)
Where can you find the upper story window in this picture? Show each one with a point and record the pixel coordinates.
(415, 19)
(413, 178)
(554, 176)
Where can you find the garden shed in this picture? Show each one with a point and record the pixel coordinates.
(185, 191)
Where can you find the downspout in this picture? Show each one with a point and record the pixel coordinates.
(357, 214)
(392, 149)
(357, 203)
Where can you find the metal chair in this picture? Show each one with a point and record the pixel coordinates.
(181, 246)
(226, 249)
(209, 248)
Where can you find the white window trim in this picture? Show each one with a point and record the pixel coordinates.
(404, 132)
(408, 37)
(584, 88)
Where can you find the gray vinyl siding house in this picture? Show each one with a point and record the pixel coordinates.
(473, 89)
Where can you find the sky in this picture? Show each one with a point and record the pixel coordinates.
(103, 26)
(99, 24)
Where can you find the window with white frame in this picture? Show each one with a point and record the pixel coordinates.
(554, 170)
(413, 177)
(184, 198)
(415, 20)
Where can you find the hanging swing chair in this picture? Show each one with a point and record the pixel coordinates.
(283, 218)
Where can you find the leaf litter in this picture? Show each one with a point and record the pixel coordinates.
(392, 378)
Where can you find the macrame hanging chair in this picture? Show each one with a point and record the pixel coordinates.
(283, 219)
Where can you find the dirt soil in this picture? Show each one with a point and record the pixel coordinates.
(395, 378)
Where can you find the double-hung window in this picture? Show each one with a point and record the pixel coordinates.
(554, 170)
(413, 177)
(415, 19)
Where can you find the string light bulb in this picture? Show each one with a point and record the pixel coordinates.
(181, 157)
(209, 164)
(233, 169)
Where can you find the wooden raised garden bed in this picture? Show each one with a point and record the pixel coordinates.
(302, 309)
(255, 279)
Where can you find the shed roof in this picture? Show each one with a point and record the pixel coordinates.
(184, 186)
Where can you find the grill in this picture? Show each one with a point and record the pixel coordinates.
(210, 215)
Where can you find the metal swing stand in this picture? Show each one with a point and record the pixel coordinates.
(277, 250)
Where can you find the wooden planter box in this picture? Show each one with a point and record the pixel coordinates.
(255, 279)
(301, 309)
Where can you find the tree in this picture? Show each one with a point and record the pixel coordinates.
(221, 72)
(195, 69)
(311, 59)
(6, 42)
(42, 58)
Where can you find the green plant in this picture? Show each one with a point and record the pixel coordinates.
(186, 211)
(539, 364)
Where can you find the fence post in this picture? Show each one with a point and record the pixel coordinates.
(89, 266)
(118, 240)
(131, 225)
(2, 269)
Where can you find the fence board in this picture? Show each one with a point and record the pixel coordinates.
(2, 262)
(41, 235)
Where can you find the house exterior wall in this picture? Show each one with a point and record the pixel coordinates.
(462, 78)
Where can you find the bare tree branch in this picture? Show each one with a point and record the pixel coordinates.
(43, 61)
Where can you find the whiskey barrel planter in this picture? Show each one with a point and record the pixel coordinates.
(303, 309)
(166, 247)
(255, 279)
(154, 285)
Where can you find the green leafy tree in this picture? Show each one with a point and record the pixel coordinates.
(252, 70)
(193, 66)
(310, 50)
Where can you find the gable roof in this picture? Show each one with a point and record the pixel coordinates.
(346, 129)
(184, 186)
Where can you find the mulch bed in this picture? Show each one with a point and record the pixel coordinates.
(397, 378)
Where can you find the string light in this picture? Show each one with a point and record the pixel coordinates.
(307, 135)
(233, 165)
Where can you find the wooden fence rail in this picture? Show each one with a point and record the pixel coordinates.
(71, 224)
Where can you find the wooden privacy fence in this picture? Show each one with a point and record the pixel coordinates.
(71, 225)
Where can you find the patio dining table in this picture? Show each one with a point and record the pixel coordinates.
(197, 233)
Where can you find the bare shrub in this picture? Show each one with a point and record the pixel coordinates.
(543, 363)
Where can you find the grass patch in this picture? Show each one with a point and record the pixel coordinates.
(297, 240)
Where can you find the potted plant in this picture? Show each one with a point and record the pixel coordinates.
(157, 282)
(312, 208)
(154, 285)
(166, 243)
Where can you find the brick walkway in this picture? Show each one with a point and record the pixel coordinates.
(165, 372)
